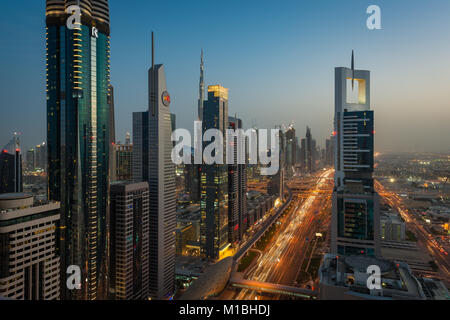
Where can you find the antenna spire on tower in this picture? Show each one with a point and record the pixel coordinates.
(353, 70)
(153, 51)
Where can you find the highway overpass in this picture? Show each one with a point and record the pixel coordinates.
(273, 288)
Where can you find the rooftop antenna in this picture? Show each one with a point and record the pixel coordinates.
(353, 70)
(153, 51)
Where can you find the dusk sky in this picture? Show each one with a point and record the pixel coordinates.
(276, 57)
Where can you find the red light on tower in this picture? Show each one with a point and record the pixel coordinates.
(334, 133)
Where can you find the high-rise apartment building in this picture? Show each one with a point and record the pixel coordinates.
(152, 162)
(356, 218)
(78, 130)
(29, 255)
(129, 258)
(214, 180)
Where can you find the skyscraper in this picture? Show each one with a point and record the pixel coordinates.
(173, 122)
(214, 180)
(31, 159)
(291, 148)
(303, 153)
(112, 136)
(233, 188)
(11, 167)
(78, 113)
(329, 147)
(238, 227)
(192, 179)
(309, 151)
(41, 156)
(355, 220)
(129, 241)
(201, 89)
(152, 147)
(128, 139)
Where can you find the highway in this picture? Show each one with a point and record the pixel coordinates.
(265, 225)
(283, 258)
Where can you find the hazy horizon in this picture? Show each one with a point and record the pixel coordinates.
(277, 59)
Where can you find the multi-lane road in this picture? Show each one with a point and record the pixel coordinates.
(281, 261)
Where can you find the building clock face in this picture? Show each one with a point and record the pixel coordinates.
(165, 98)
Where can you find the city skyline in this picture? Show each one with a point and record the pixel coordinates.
(286, 47)
(332, 208)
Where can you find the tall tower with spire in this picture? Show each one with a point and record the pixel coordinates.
(201, 88)
(152, 147)
(356, 219)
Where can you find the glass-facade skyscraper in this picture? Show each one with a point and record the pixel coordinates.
(214, 180)
(78, 89)
(355, 219)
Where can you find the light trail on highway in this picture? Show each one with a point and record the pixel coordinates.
(271, 265)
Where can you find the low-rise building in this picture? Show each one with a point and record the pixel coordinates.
(392, 227)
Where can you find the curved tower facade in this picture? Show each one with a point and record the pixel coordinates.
(78, 90)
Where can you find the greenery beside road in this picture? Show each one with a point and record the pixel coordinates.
(246, 261)
(267, 237)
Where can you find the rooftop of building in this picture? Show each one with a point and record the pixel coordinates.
(218, 91)
(210, 283)
(14, 196)
(189, 266)
(434, 289)
(189, 213)
(351, 272)
(392, 216)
